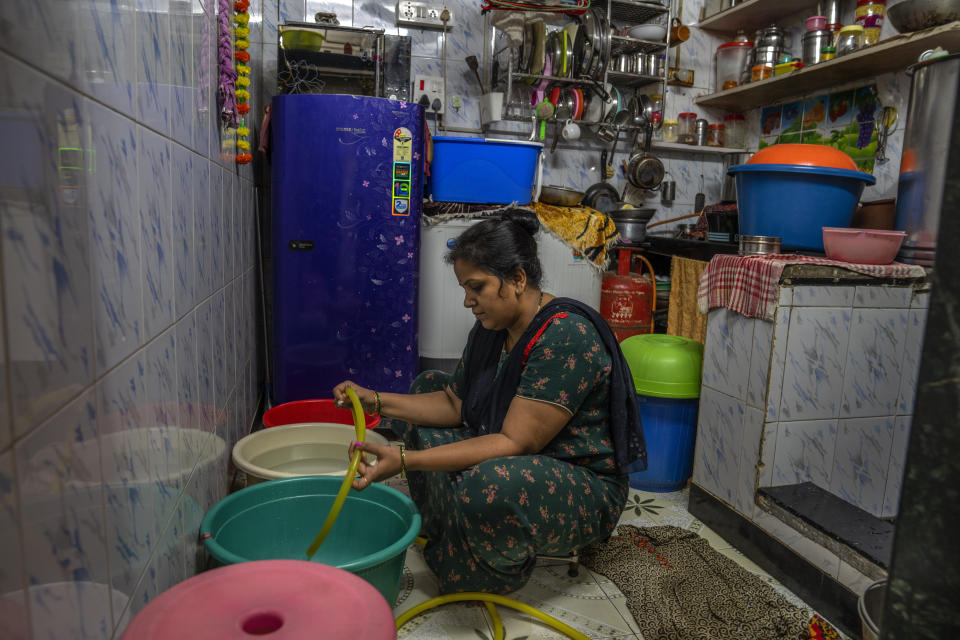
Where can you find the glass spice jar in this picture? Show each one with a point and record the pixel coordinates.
(761, 72)
(716, 135)
(869, 15)
(735, 130)
(686, 132)
(670, 130)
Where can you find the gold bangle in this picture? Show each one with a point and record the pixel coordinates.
(377, 410)
(403, 463)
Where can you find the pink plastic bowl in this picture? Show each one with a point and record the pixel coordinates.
(816, 23)
(862, 246)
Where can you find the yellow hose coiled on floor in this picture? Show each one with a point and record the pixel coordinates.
(360, 425)
(490, 599)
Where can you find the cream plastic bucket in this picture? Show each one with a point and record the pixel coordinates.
(309, 449)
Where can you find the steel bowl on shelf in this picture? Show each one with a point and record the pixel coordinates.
(560, 196)
(914, 15)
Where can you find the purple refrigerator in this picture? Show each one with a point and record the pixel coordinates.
(347, 193)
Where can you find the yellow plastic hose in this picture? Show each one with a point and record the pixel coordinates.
(359, 424)
(497, 622)
(495, 599)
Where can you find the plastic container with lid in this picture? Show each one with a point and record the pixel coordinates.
(731, 59)
(670, 130)
(761, 72)
(735, 131)
(787, 67)
(828, 53)
(849, 39)
(816, 23)
(869, 15)
(687, 128)
(716, 136)
(666, 376)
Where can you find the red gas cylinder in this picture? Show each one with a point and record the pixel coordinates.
(627, 300)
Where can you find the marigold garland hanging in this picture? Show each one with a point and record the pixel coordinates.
(242, 80)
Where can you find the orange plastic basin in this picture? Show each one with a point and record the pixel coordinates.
(808, 155)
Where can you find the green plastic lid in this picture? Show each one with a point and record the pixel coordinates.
(664, 366)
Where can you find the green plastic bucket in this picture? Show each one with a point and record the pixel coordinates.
(280, 518)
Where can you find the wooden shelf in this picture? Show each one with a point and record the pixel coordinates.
(894, 54)
(691, 148)
(753, 14)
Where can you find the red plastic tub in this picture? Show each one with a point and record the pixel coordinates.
(323, 410)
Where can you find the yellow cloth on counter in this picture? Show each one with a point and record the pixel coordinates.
(587, 230)
(684, 318)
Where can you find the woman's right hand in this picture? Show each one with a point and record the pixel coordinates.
(367, 397)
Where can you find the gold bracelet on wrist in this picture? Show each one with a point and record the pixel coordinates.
(403, 463)
(377, 395)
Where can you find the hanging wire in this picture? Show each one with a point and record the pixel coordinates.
(570, 7)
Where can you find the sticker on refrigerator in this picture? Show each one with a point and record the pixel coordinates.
(401, 171)
(402, 145)
(401, 189)
(401, 206)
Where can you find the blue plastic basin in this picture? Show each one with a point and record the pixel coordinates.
(670, 430)
(795, 202)
(483, 171)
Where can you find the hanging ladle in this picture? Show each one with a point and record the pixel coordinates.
(474, 64)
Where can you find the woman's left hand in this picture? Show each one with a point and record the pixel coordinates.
(386, 465)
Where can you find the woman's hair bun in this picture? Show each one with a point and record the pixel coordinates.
(527, 221)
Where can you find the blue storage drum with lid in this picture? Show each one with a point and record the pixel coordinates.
(666, 375)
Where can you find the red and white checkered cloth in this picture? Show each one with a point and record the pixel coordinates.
(750, 285)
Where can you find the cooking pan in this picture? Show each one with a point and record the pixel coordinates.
(644, 170)
(631, 223)
(561, 196)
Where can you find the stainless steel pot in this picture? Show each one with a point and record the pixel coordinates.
(926, 146)
(632, 223)
(766, 55)
(728, 189)
(772, 36)
(759, 245)
(813, 41)
(913, 15)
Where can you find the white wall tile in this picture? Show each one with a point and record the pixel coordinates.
(778, 360)
(759, 371)
(115, 237)
(206, 195)
(183, 73)
(921, 299)
(46, 283)
(898, 457)
(883, 297)
(185, 260)
(912, 351)
(861, 461)
(872, 379)
(153, 67)
(13, 616)
(768, 453)
(785, 296)
(62, 519)
(750, 446)
(727, 351)
(156, 233)
(805, 452)
(719, 435)
(816, 353)
(823, 296)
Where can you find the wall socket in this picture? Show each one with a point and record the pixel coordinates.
(421, 14)
(432, 87)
